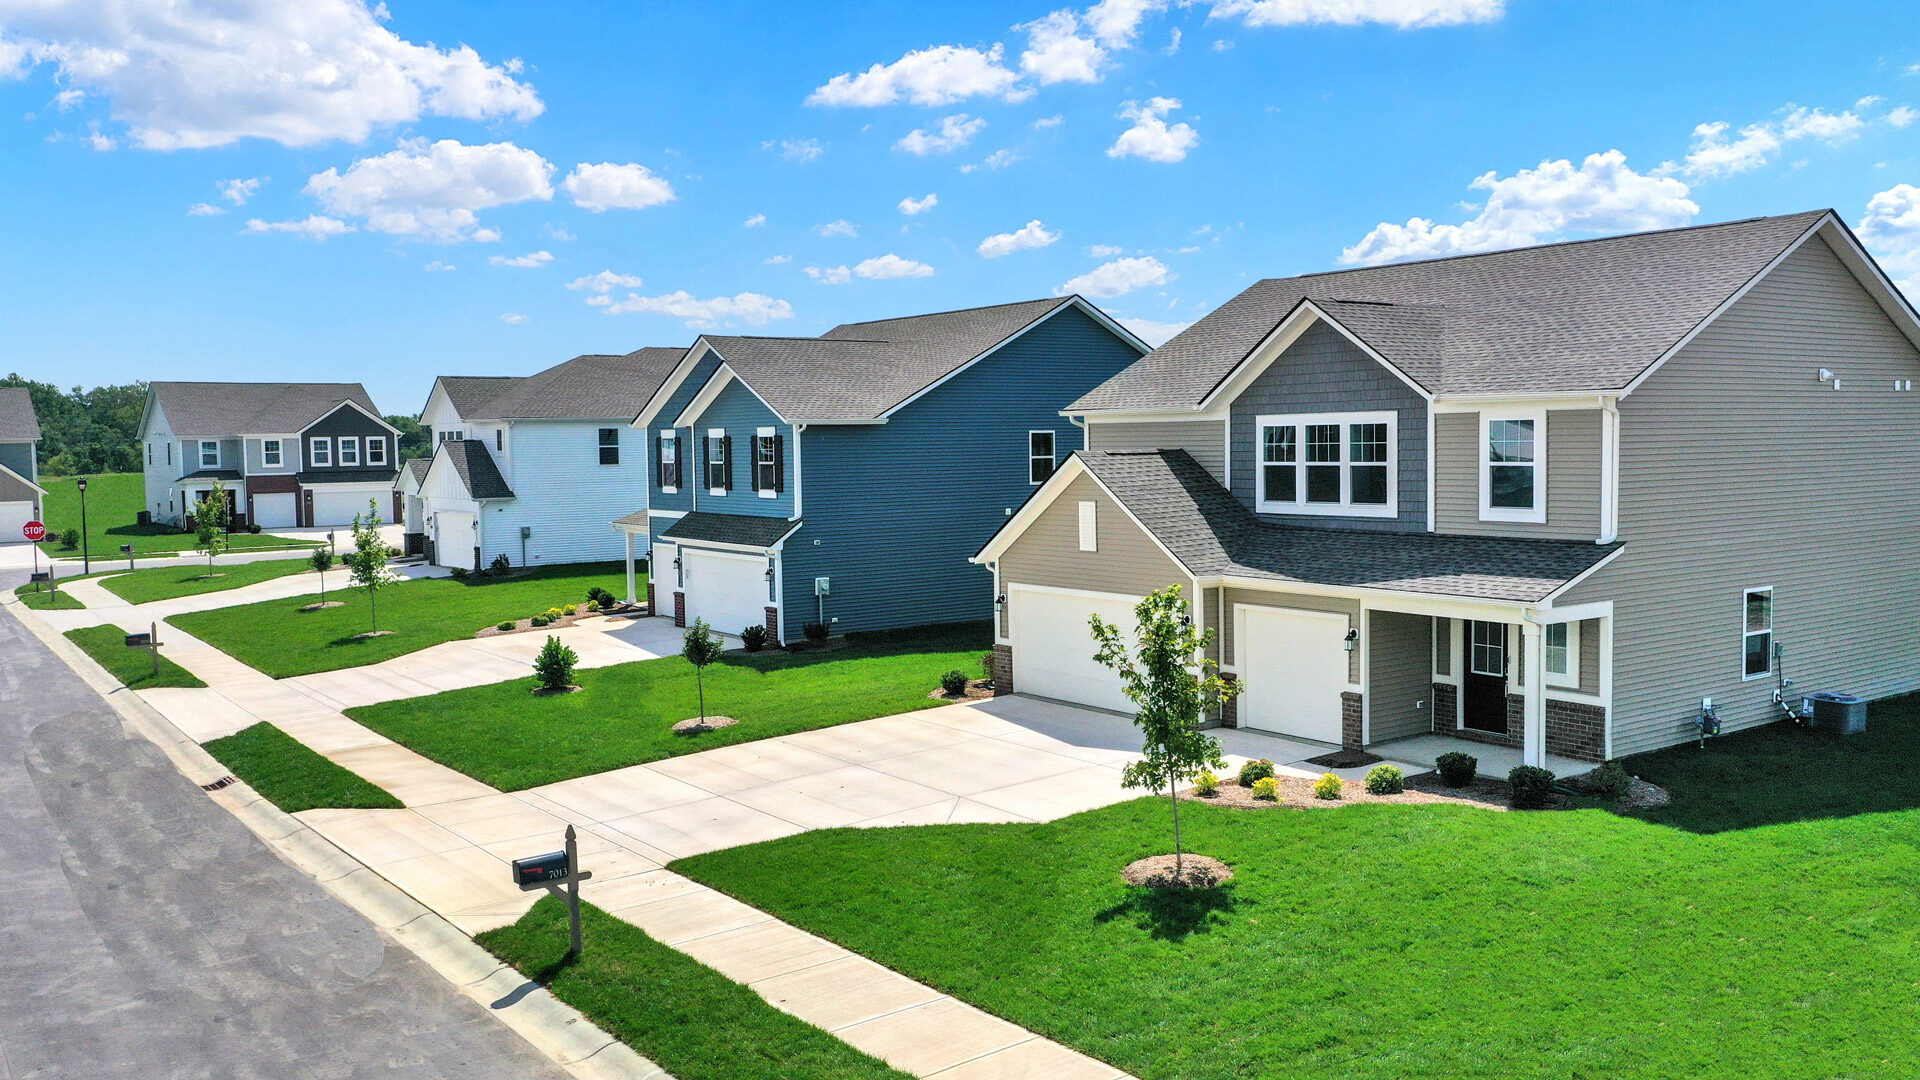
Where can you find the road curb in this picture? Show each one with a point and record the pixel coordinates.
(551, 1026)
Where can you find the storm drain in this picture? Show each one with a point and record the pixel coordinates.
(220, 783)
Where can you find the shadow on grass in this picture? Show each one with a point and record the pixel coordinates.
(940, 637)
(1783, 772)
(1173, 914)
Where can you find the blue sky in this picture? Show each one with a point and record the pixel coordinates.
(253, 190)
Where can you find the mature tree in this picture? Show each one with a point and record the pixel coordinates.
(86, 431)
(413, 441)
(367, 562)
(1166, 674)
(701, 648)
(322, 560)
(210, 520)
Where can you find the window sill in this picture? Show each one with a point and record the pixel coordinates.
(769, 494)
(669, 491)
(717, 492)
(1326, 510)
(1523, 517)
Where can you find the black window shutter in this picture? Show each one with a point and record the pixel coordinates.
(659, 462)
(726, 460)
(779, 463)
(706, 457)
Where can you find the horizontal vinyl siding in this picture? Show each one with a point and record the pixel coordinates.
(1399, 655)
(737, 411)
(1573, 477)
(1590, 656)
(565, 495)
(1296, 601)
(1740, 469)
(1204, 439)
(1048, 552)
(682, 499)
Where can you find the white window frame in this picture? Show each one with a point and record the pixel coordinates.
(763, 437)
(320, 452)
(1053, 455)
(1537, 515)
(1089, 526)
(1345, 507)
(375, 442)
(1570, 678)
(272, 454)
(349, 442)
(204, 443)
(1745, 633)
(716, 441)
(670, 440)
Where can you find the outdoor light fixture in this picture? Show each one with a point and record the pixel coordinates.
(86, 556)
(1000, 603)
(1353, 636)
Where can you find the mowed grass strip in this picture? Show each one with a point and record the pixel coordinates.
(133, 667)
(505, 736)
(191, 579)
(277, 638)
(114, 502)
(293, 777)
(1409, 941)
(39, 598)
(687, 1018)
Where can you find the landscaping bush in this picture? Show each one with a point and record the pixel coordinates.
(754, 637)
(1532, 787)
(1206, 784)
(1268, 788)
(508, 625)
(1328, 786)
(500, 565)
(1386, 780)
(600, 597)
(254, 529)
(954, 682)
(540, 620)
(569, 609)
(459, 573)
(1610, 781)
(1456, 769)
(816, 632)
(1254, 770)
(554, 666)
(986, 666)
(70, 539)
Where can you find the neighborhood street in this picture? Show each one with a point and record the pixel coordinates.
(148, 934)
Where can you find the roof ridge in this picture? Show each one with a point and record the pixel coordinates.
(958, 311)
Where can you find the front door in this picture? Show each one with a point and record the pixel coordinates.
(1484, 704)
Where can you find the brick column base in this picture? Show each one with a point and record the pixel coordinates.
(1446, 708)
(773, 624)
(1576, 729)
(679, 609)
(651, 606)
(1350, 733)
(1230, 709)
(1002, 670)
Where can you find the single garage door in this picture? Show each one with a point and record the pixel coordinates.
(453, 539)
(275, 511)
(338, 507)
(1294, 667)
(727, 590)
(1053, 647)
(14, 515)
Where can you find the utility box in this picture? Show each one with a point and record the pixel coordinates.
(1842, 713)
(822, 586)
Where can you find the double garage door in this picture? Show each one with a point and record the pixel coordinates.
(1294, 663)
(338, 507)
(727, 590)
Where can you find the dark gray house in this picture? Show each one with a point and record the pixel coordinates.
(20, 490)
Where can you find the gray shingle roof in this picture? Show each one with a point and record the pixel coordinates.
(214, 474)
(1211, 532)
(476, 468)
(18, 422)
(747, 530)
(1584, 315)
(417, 468)
(469, 392)
(212, 408)
(857, 371)
(584, 388)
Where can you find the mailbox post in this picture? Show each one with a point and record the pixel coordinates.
(149, 641)
(550, 872)
(127, 550)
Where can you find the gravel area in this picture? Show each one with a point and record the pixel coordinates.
(1196, 872)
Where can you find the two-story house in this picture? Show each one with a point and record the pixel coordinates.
(532, 467)
(20, 490)
(1559, 498)
(290, 455)
(844, 479)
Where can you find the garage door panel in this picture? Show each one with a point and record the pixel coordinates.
(14, 516)
(338, 507)
(1293, 665)
(1053, 647)
(729, 591)
(275, 510)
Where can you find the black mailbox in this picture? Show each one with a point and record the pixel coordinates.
(139, 641)
(126, 549)
(540, 868)
(42, 576)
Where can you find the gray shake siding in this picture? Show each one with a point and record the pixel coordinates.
(1397, 675)
(1740, 469)
(1049, 554)
(1204, 439)
(1324, 372)
(1573, 477)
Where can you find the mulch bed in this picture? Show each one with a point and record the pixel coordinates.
(555, 691)
(371, 634)
(697, 726)
(1297, 792)
(1196, 872)
(324, 604)
(977, 690)
(1349, 758)
(521, 626)
(828, 645)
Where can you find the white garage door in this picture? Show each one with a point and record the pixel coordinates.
(453, 539)
(1053, 647)
(729, 591)
(1294, 666)
(275, 511)
(338, 507)
(13, 515)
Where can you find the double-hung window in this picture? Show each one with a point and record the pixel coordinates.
(1332, 463)
(767, 466)
(376, 451)
(669, 462)
(609, 446)
(349, 451)
(319, 452)
(1040, 457)
(209, 454)
(1562, 649)
(270, 453)
(1513, 458)
(719, 461)
(1756, 638)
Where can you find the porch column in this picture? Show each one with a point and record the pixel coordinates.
(1533, 724)
(630, 586)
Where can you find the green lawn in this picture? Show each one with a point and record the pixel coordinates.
(113, 502)
(39, 598)
(1765, 927)
(134, 667)
(190, 579)
(687, 1018)
(292, 777)
(276, 637)
(505, 736)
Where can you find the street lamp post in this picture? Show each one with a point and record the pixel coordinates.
(86, 561)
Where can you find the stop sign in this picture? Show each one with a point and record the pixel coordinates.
(34, 531)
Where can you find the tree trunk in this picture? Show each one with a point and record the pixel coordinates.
(700, 681)
(1174, 794)
(373, 609)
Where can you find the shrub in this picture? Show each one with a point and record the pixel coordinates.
(1253, 771)
(986, 665)
(1206, 784)
(1268, 788)
(600, 597)
(954, 682)
(500, 564)
(554, 666)
(816, 632)
(1386, 780)
(508, 625)
(540, 620)
(1610, 780)
(754, 637)
(554, 613)
(70, 539)
(570, 609)
(1328, 786)
(1532, 787)
(254, 529)
(460, 573)
(1456, 769)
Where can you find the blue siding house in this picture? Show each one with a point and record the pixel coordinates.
(846, 479)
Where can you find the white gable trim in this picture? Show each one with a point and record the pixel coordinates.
(357, 407)
(710, 392)
(695, 353)
(22, 479)
(1282, 337)
(1045, 496)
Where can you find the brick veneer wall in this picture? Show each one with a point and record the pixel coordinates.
(1446, 708)
(1230, 710)
(679, 609)
(1576, 729)
(1350, 727)
(1002, 670)
(773, 624)
(651, 606)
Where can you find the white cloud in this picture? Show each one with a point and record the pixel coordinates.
(98, 141)
(999, 159)
(1603, 195)
(606, 186)
(889, 267)
(1118, 278)
(830, 275)
(1173, 42)
(238, 192)
(436, 191)
(1891, 227)
(513, 318)
(955, 132)
(1057, 52)
(911, 206)
(798, 150)
(557, 232)
(314, 227)
(196, 75)
(1151, 137)
(526, 262)
(842, 227)
(751, 308)
(776, 260)
(602, 283)
(1025, 238)
(1115, 23)
(937, 76)
(201, 209)
(1869, 101)
(1102, 251)
(1713, 154)
(1153, 332)
(67, 99)
(1402, 14)
(1804, 123)
(1902, 116)
(438, 267)
(1046, 122)
(754, 222)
